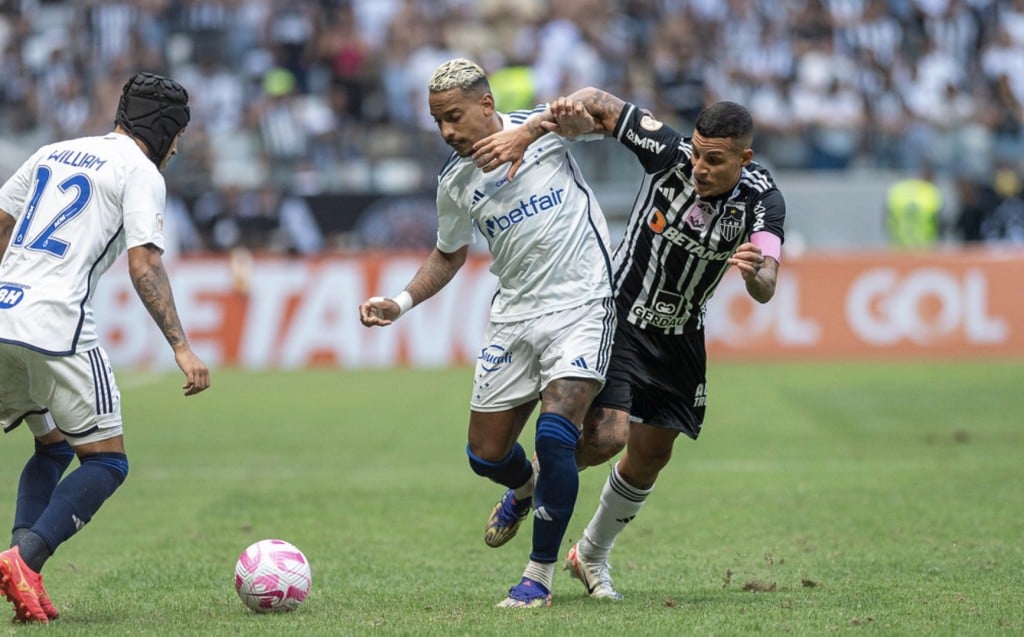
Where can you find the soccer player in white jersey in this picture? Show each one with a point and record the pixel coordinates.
(68, 212)
(703, 206)
(551, 322)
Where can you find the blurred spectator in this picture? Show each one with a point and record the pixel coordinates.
(327, 96)
(977, 200)
(1004, 225)
(914, 212)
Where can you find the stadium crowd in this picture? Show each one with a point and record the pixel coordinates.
(296, 98)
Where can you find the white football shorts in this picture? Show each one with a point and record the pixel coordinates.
(519, 359)
(76, 394)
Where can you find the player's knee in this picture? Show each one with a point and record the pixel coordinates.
(605, 433)
(641, 468)
(513, 470)
(598, 448)
(555, 432)
(114, 463)
(59, 451)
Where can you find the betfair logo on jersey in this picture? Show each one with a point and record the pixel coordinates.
(493, 357)
(644, 143)
(10, 295)
(527, 208)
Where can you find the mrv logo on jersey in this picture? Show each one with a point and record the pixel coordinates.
(645, 143)
(10, 295)
(527, 208)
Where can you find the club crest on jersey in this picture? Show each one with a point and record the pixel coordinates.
(10, 295)
(657, 221)
(731, 224)
(493, 357)
(649, 123)
(698, 216)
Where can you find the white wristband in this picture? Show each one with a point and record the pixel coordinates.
(404, 301)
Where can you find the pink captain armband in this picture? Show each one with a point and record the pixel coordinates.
(771, 245)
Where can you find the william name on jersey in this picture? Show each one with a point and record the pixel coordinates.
(77, 159)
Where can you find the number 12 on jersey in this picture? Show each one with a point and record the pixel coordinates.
(45, 241)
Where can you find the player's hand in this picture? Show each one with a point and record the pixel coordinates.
(378, 311)
(197, 375)
(748, 260)
(507, 146)
(571, 118)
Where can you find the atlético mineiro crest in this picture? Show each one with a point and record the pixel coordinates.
(731, 224)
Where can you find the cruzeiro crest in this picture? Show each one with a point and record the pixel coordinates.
(730, 225)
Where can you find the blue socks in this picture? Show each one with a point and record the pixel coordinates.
(75, 500)
(39, 478)
(511, 471)
(557, 485)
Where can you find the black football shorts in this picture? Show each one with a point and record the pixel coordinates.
(659, 379)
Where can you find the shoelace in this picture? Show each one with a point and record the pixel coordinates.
(602, 571)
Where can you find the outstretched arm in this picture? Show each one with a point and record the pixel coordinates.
(435, 273)
(588, 110)
(146, 269)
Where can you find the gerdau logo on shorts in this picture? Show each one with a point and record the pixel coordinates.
(10, 295)
(527, 208)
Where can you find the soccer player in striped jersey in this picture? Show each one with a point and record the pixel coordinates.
(703, 206)
(65, 216)
(551, 322)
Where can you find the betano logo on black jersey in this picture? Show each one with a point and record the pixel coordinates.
(659, 224)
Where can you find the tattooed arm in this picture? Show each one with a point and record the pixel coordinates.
(6, 227)
(575, 111)
(435, 273)
(149, 277)
(588, 110)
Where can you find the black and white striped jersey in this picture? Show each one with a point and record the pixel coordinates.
(674, 252)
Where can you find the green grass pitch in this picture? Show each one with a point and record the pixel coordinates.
(879, 499)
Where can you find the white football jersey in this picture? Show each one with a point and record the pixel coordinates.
(79, 204)
(545, 230)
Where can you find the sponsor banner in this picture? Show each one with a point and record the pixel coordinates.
(877, 306)
(293, 313)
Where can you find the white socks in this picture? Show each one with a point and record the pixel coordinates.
(526, 489)
(540, 573)
(620, 503)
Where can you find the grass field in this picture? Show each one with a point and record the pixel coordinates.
(855, 499)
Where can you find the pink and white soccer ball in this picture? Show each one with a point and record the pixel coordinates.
(272, 576)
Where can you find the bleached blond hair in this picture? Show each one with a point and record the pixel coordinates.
(458, 73)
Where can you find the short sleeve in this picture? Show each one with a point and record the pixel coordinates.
(454, 226)
(143, 203)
